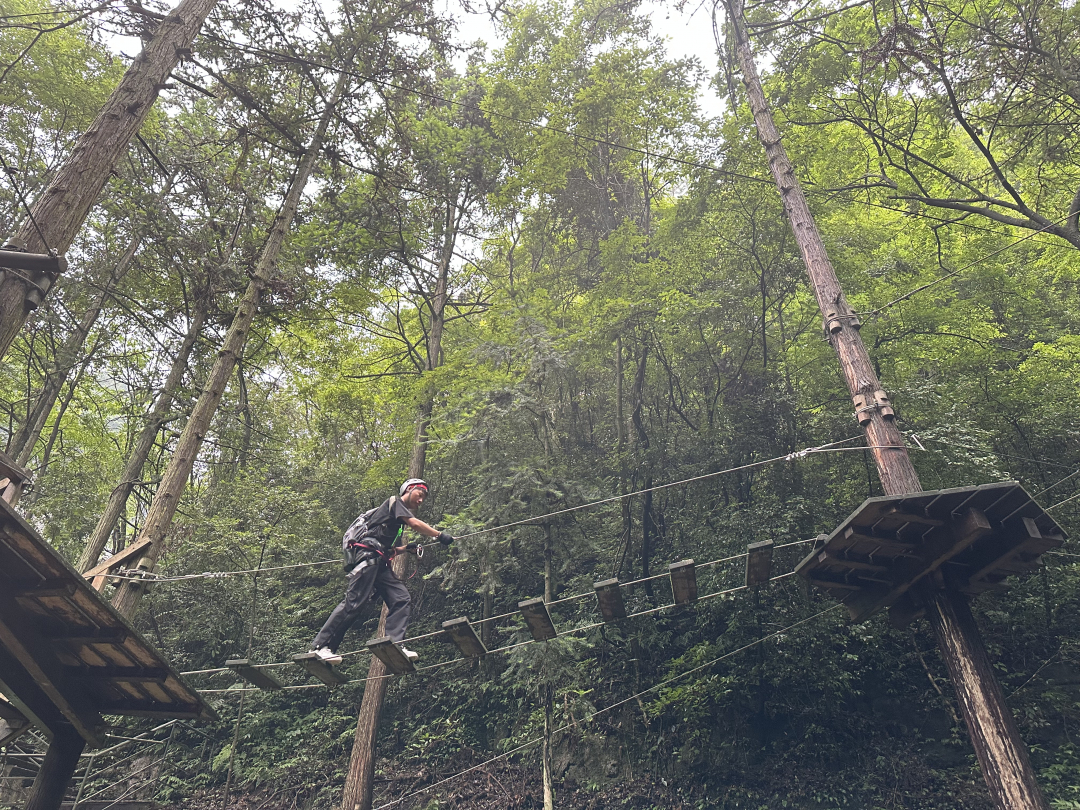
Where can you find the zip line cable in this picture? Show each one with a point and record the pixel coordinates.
(799, 454)
(615, 705)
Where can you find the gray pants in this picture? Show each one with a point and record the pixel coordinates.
(381, 579)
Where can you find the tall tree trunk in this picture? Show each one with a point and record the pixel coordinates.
(61, 210)
(167, 498)
(360, 780)
(144, 443)
(1002, 755)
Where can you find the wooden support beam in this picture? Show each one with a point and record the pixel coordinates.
(320, 669)
(904, 611)
(126, 674)
(390, 654)
(62, 588)
(851, 561)
(683, 582)
(538, 619)
(759, 562)
(891, 545)
(39, 661)
(109, 635)
(463, 635)
(829, 583)
(253, 675)
(939, 548)
(1002, 551)
(132, 551)
(609, 596)
(898, 515)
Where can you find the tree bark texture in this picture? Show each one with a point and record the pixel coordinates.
(64, 205)
(1004, 759)
(143, 445)
(894, 466)
(546, 754)
(995, 736)
(167, 498)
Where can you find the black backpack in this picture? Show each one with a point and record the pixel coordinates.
(363, 531)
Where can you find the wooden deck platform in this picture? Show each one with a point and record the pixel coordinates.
(972, 538)
(66, 657)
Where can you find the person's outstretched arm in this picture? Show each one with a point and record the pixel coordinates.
(420, 527)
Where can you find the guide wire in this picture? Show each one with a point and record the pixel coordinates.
(875, 312)
(799, 454)
(615, 705)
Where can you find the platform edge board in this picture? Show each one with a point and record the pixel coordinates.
(48, 564)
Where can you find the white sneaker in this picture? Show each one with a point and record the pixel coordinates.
(328, 656)
(408, 653)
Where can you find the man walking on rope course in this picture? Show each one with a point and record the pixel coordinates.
(370, 543)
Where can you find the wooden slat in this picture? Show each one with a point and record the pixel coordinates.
(610, 598)
(253, 675)
(320, 669)
(892, 545)
(110, 635)
(936, 551)
(759, 562)
(683, 582)
(901, 515)
(538, 619)
(845, 560)
(463, 635)
(48, 588)
(183, 711)
(40, 662)
(390, 654)
(127, 674)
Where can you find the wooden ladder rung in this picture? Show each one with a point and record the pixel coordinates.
(538, 619)
(609, 597)
(463, 635)
(683, 582)
(390, 654)
(253, 675)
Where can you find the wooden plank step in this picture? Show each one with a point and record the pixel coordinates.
(253, 675)
(538, 619)
(320, 669)
(463, 635)
(683, 582)
(609, 597)
(390, 654)
(759, 562)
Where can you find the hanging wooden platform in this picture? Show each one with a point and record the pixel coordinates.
(971, 538)
(66, 657)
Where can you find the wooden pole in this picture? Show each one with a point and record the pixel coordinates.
(994, 735)
(56, 770)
